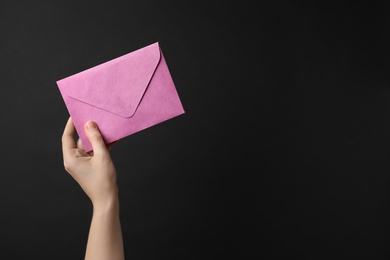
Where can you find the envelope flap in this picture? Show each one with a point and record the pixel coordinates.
(116, 86)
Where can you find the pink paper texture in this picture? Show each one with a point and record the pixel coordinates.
(123, 96)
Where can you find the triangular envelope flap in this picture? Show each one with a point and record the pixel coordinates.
(117, 85)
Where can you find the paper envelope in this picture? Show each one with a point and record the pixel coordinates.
(123, 95)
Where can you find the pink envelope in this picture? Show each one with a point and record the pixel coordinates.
(123, 96)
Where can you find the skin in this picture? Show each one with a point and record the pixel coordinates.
(95, 173)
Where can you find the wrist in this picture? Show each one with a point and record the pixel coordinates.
(110, 202)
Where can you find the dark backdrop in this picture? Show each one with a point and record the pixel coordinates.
(283, 150)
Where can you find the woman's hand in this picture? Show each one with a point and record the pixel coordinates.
(94, 171)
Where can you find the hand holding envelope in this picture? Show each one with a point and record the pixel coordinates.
(123, 96)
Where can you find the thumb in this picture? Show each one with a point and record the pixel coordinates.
(95, 137)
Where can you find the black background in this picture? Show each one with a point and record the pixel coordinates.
(283, 150)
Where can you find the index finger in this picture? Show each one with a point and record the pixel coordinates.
(68, 141)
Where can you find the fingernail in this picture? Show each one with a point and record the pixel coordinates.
(91, 125)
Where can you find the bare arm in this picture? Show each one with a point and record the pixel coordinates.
(105, 235)
(96, 174)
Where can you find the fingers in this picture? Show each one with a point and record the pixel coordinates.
(96, 138)
(79, 144)
(68, 141)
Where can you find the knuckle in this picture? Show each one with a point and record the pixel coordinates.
(97, 137)
(67, 167)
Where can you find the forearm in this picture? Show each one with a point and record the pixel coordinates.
(105, 236)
